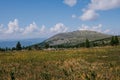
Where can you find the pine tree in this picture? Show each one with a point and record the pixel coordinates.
(112, 41)
(116, 40)
(47, 45)
(18, 46)
(103, 43)
(87, 43)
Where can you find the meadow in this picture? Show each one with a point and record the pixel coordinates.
(99, 63)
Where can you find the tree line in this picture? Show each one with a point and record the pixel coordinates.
(113, 42)
(18, 47)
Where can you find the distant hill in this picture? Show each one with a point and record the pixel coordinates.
(24, 42)
(73, 38)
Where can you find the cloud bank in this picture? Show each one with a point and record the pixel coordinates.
(13, 30)
(97, 28)
(90, 13)
(58, 28)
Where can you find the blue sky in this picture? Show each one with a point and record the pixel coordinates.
(21, 19)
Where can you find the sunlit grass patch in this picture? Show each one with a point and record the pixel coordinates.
(98, 63)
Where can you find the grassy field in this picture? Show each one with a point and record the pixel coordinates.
(102, 63)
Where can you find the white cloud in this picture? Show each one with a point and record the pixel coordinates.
(74, 16)
(1, 25)
(70, 3)
(104, 4)
(84, 27)
(1, 29)
(89, 15)
(14, 31)
(13, 27)
(97, 28)
(42, 28)
(98, 5)
(31, 28)
(107, 31)
(58, 28)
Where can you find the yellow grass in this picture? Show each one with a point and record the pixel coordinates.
(101, 63)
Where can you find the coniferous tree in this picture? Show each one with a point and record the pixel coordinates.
(103, 43)
(112, 41)
(29, 48)
(87, 43)
(18, 46)
(2, 49)
(47, 45)
(116, 40)
(13, 48)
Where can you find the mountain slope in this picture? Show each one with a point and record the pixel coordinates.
(73, 38)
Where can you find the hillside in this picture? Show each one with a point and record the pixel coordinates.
(73, 38)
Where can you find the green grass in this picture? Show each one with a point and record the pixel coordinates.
(100, 63)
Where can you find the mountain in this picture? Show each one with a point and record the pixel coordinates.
(73, 38)
(24, 42)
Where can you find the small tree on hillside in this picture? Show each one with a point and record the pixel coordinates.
(103, 43)
(116, 40)
(112, 41)
(87, 43)
(13, 48)
(47, 45)
(18, 46)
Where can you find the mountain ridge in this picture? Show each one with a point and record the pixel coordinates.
(73, 38)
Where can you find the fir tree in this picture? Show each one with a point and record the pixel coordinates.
(47, 45)
(18, 46)
(87, 43)
(112, 41)
(116, 40)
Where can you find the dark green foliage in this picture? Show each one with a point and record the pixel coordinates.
(103, 43)
(65, 72)
(12, 75)
(18, 46)
(13, 48)
(90, 75)
(114, 40)
(93, 75)
(45, 76)
(2, 49)
(87, 43)
(29, 48)
(86, 77)
(35, 47)
(47, 45)
(5, 49)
